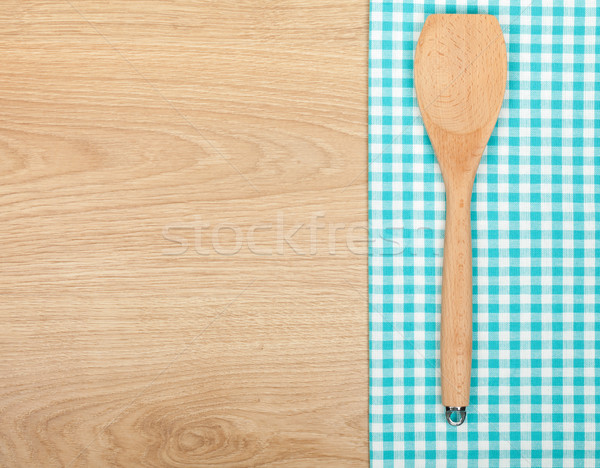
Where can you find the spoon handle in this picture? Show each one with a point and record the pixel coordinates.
(457, 301)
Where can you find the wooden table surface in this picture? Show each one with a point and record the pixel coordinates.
(183, 204)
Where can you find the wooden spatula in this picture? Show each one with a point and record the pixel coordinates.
(460, 76)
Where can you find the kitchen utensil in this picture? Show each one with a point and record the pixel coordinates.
(460, 77)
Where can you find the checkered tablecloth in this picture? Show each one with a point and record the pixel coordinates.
(535, 389)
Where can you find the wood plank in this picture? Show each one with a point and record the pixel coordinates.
(126, 129)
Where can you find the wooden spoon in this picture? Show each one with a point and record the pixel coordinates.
(460, 77)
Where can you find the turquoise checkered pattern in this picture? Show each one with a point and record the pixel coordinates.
(535, 395)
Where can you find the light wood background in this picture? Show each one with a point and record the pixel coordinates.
(122, 124)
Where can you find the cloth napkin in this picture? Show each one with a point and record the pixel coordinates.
(535, 388)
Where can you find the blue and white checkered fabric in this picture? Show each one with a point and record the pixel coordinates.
(535, 390)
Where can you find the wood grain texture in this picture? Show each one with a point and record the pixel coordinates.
(460, 77)
(122, 124)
